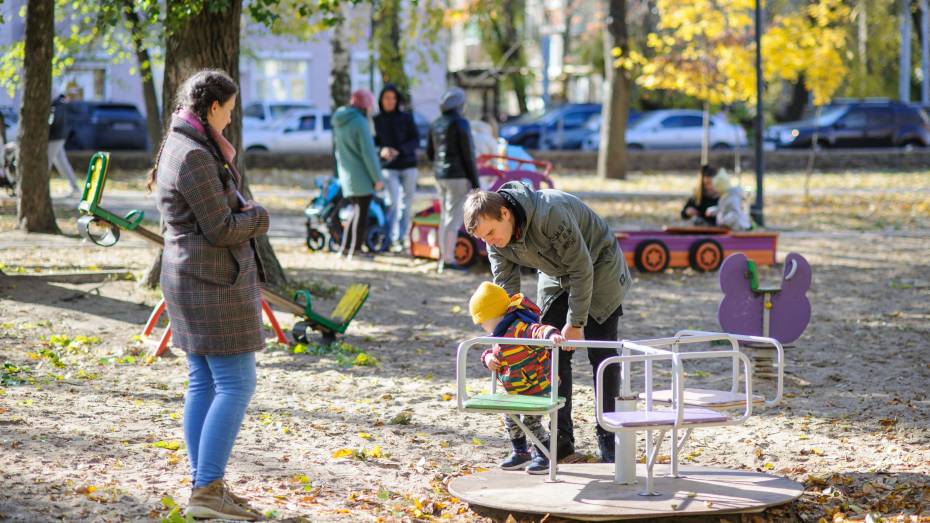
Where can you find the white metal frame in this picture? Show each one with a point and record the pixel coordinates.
(650, 355)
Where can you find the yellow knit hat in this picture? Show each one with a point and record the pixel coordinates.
(489, 301)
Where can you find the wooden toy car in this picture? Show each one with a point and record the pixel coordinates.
(424, 231)
(701, 248)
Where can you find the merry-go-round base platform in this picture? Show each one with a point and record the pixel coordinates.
(585, 491)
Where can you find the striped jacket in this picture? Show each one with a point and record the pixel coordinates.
(524, 369)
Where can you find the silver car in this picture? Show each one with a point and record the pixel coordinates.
(306, 131)
(678, 129)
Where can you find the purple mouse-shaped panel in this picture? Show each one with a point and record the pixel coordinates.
(740, 310)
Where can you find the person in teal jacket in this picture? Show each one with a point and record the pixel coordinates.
(357, 160)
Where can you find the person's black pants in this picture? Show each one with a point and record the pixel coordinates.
(361, 226)
(607, 331)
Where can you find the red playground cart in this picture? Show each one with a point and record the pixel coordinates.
(701, 248)
(424, 231)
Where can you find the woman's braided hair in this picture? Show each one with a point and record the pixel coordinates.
(198, 93)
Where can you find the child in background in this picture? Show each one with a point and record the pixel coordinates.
(705, 197)
(730, 211)
(521, 369)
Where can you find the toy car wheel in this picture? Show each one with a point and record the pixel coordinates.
(651, 256)
(466, 253)
(316, 241)
(705, 255)
(377, 240)
(299, 331)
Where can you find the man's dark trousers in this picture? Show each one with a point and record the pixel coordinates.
(555, 316)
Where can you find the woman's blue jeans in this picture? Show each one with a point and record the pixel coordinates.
(219, 390)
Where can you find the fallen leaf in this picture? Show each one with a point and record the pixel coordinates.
(170, 445)
(342, 453)
(446, 396)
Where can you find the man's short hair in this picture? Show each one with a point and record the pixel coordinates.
(482, 203)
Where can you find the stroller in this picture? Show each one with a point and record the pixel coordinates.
(329, 213)
(8, 167)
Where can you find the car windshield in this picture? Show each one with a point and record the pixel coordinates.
(127, 112)
(829, 116)
(530, 117)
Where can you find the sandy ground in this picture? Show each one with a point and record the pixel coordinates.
(370, 431)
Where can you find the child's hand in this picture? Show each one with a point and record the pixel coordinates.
(492, 363)
(558, 339)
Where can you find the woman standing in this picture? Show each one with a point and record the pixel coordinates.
(357, 162)
(397, 138)
(210, 280)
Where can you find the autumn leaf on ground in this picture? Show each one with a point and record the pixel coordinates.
(170, 445)
(343, 453)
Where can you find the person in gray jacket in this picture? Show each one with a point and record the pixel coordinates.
(583, 277)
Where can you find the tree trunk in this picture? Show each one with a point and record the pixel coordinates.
(388, 44)
(612, 157)
(34, 212)
(340, 81)
(566, 47)
(705, 134)
(210, 39)
(152, 116)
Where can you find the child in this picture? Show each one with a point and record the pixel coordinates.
(521, 369)
(705, 197)
(730, 211)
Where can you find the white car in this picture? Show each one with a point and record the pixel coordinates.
(678, 129)
(295, 132)
(262, 113)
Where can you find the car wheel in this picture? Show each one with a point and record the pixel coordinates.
(635, 147)
(721, 147)
(651, 256)
(256, 148)
(705, 255)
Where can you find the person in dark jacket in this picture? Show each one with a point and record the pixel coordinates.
(583, 278)
(210, 281)
(705, 197)
(396, 137)
(57, 134)
(452, 152)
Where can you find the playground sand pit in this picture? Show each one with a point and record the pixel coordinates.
(91, 425)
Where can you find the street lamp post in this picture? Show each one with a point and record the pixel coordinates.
(756, 209)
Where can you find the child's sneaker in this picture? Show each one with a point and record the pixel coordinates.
(539, 465)
(516, 460)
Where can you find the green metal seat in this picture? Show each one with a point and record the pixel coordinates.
(515, 403)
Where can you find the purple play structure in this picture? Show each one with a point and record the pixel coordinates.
(781, 312)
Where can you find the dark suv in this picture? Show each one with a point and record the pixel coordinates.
(105, 125)
(549, 127)
(856, 124)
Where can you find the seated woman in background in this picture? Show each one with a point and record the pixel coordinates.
(705, 197)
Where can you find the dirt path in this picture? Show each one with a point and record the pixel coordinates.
(329, 438)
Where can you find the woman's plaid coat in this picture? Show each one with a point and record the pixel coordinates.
(210, 272)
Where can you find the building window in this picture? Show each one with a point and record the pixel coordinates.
(361, 73)
(85, 83)
(281, 80)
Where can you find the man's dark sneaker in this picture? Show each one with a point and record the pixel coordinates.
(516, 460)
(563, 449)
(605, 443)
(539, 465)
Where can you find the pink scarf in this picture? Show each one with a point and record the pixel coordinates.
(226, 148)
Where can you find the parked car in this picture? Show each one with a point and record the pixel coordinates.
(301, 131)
(422, 128)
(105, 125)
(548, 127)
(592, 130)
(856, 124)
(679, 129)
(260, 113)
(11, 119)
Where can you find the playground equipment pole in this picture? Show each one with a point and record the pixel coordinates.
(756, 210)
